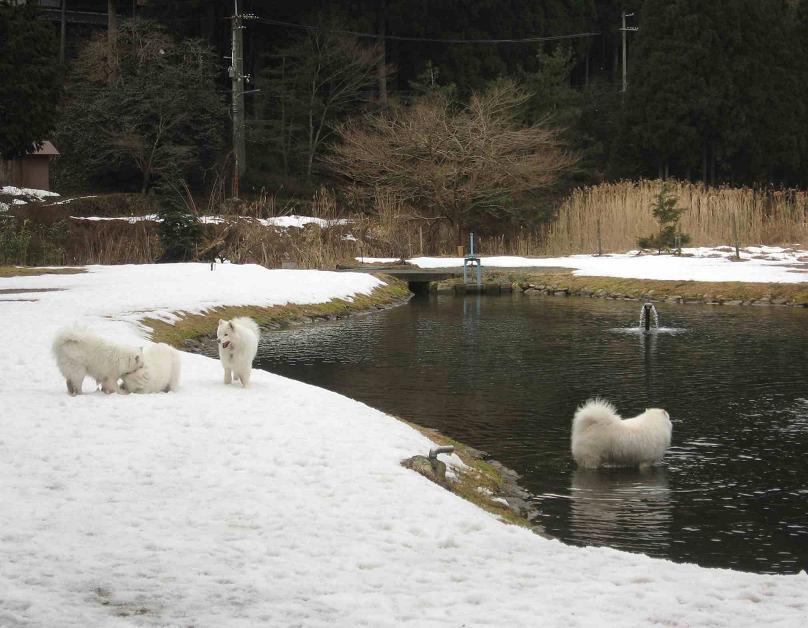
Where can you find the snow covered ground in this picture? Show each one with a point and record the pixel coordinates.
(284, 222)
(762, 264)
(26, 192)
(279, 505)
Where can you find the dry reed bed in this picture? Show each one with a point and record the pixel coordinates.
(624, 211)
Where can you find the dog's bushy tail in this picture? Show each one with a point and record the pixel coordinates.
(67, 335)
(246, 321)
(594, 412)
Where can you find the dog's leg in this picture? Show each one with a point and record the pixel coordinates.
(245, 379)
(109, 385)
(73, 389)
(228, 376)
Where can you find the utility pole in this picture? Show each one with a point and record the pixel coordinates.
(237, 76)
(624, 29)
(62, 32)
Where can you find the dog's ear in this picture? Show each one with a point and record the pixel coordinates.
(230, 324)
(222, 322)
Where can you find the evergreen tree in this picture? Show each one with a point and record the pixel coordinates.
(801, 74)
(714, 86)
(29, 80)
(675, 84)
(160, 119)
(667, 214)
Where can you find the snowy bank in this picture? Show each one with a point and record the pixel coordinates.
(279, 505)
(762, 264)
(281, 222)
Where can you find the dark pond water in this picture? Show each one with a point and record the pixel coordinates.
(505, 374)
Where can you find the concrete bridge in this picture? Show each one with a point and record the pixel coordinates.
(417, 279)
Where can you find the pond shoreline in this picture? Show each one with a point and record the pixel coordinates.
(562, 283)
(487, 483)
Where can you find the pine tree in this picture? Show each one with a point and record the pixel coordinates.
(29, 80)
(667, 215)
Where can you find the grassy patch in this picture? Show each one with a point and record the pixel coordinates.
(480, 483)
(652, 289)
(192, 325)
(27, 271)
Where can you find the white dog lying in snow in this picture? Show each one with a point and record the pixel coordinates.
(601, 437)
(160, 371)
(80, 353)
(238, 344)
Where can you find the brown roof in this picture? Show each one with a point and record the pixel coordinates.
(47, 149)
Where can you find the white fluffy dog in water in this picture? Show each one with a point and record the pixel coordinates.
(80, 353)
(160, 371)
(600, 437)
(238, 344)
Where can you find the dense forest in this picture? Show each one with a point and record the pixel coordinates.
(716, 91)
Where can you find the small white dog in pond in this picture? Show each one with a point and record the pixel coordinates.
(600, 437)
(160, 371)
(80, 353)
(238, 344)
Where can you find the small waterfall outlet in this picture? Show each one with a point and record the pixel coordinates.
(649, 317)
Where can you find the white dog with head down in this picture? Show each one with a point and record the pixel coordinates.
(80, 353)
(160, 371)
(238, 344)
(600, 437)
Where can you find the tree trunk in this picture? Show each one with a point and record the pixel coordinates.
(586, 69)
(112, 42)
(381, 73)
(704, 151)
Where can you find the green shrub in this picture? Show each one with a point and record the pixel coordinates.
(180, 234)
(14, 241)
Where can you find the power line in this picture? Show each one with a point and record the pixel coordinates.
(524, 40)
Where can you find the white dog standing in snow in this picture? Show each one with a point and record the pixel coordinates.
(160, 371)
(600, 437)
(80, 353)
(238, 344)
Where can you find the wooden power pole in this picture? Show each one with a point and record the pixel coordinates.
(237, 76)
(624, 29)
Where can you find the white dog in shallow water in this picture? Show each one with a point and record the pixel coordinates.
(600, 437)
(160, 371)
(80, 353)
(238, 344)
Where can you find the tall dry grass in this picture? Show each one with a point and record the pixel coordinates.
(624, 211)
(390, 228)
(112, 242)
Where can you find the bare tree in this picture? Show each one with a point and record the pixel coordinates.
(461, 164)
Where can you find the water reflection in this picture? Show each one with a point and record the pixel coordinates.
(624, 508)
